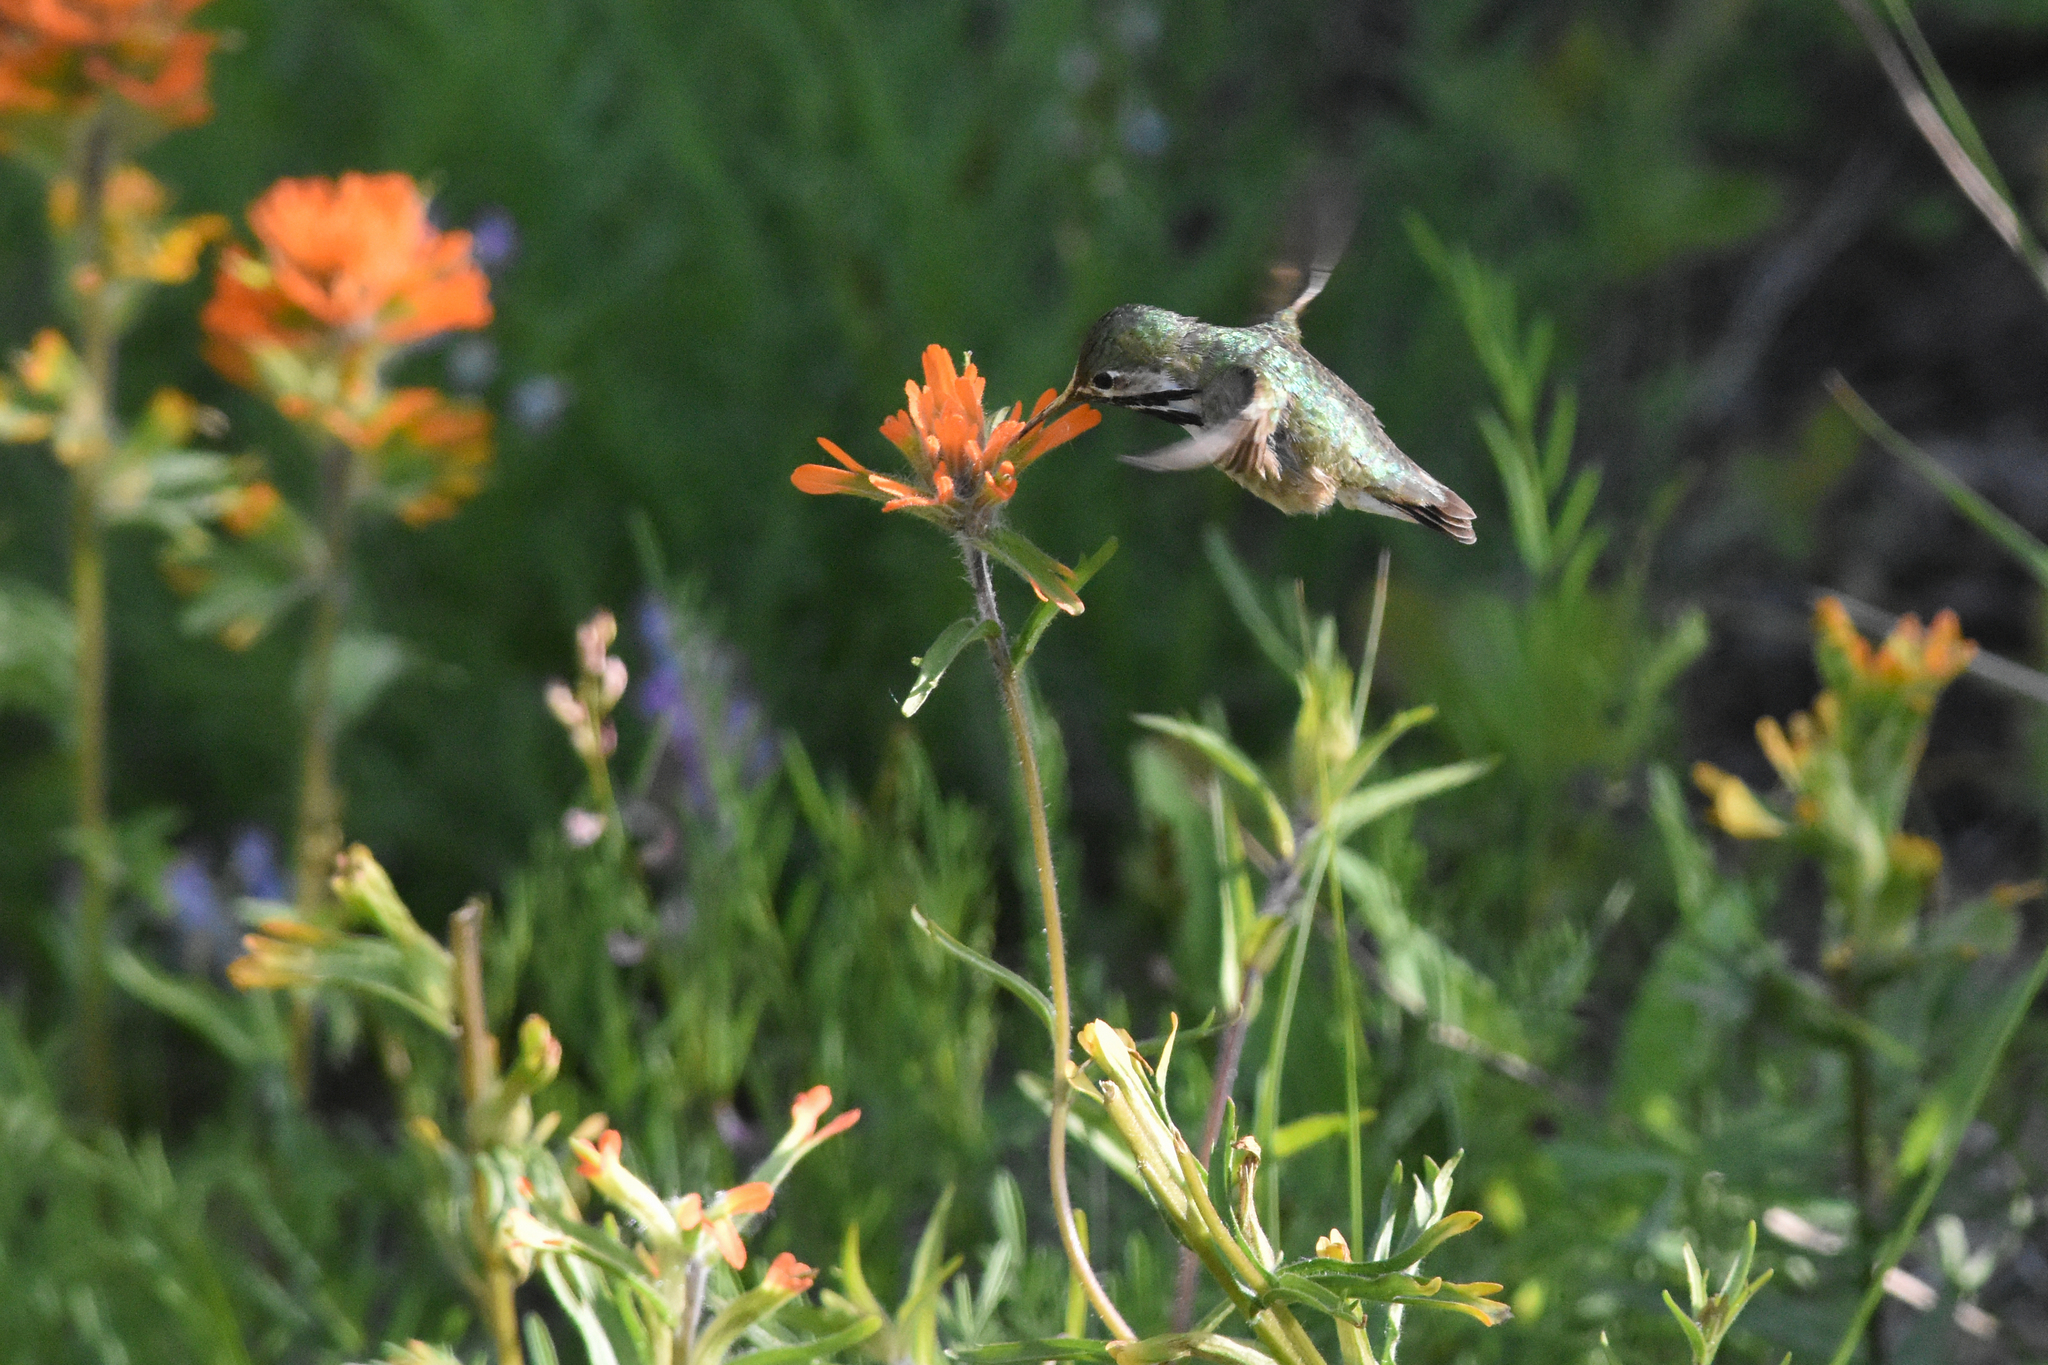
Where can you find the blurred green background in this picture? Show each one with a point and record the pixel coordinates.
(722, 228)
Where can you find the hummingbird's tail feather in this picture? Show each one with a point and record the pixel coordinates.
(1437, 507)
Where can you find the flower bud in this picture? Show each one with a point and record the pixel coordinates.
(613, 682)
(567, 709)
(582, 827)
(593, 638)
(788, 1275)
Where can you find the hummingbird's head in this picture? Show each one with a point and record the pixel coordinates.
(1134, 356)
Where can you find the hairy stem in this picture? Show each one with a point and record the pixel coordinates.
(317, 838)
(94, 444)
(1999, 1036)
(1281, 890)
(1863, 1180)
(479, 1064)
(1347, 1006)
(1009, 684)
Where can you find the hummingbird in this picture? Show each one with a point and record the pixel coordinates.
(1258, 406)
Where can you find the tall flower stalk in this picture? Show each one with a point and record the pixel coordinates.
(964, 466)
(82, 86)
(349, 273)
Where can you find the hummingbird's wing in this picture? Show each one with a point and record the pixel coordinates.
(1240, 413)
(1316, 229)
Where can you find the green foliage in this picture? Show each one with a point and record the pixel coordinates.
(736, 223)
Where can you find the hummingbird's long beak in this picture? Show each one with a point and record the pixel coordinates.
(1067, 400)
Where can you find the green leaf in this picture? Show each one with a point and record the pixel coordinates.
(1697, 1342)
(35, 650)
(1244, 598)
(1292, 1288)
(1290, 1139)
(1965, 499)
(1042, 615)
(1368, 804)
(364, 665)
(540, 1347)
(609, 1255)
(1026, 1352)
(207, 1012)
(562, 1276)
(1360, 763)
(803, 1352)
(939, 657)
(1180, 1345)
(1088, 1123)
(1054, 580)
(1355, 1272)
(996, 971)
(1232, 763)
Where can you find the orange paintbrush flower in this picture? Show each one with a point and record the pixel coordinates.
(58, 57)
(965, 462)
(788, 1275)
(347, 264)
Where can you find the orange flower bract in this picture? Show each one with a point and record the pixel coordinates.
(347, 262)
(965, 462)
(58, 56)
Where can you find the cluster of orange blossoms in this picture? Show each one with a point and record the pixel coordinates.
(347, 264)
(57, 57)
(1865, 684)
(1915, 663)
(350, 270)
(965, 461)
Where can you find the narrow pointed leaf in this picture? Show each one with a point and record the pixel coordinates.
(1244, 598)
(1370, 803)
(1054, 580)
(1232, 762)
(1689, 1327)
(1302, 1290)
(1042, 615)
(803, 1352)
(1027, 1352)
(2015, 539)
(1290, 1139)
(1360, 763)
(939, 657)
(996, 971)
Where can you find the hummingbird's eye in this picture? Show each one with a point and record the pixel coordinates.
(1104, 379)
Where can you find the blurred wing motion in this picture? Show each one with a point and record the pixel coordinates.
(1239, 414)
(1320, 216)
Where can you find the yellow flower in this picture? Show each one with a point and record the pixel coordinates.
(1736, 808)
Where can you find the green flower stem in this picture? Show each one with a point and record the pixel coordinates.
(1945, 1155)
(317, 837)
(95, 444)
(1266, 1113)
(479, 1065)
(1008, 683)
(1347, 1007)
(1280, 894)
(1863, 1181)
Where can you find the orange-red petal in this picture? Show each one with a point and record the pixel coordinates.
(729, 1244)
(1055, 433)
(836, 453)
(752, 1197)
(823, 478)
(790, 1275)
